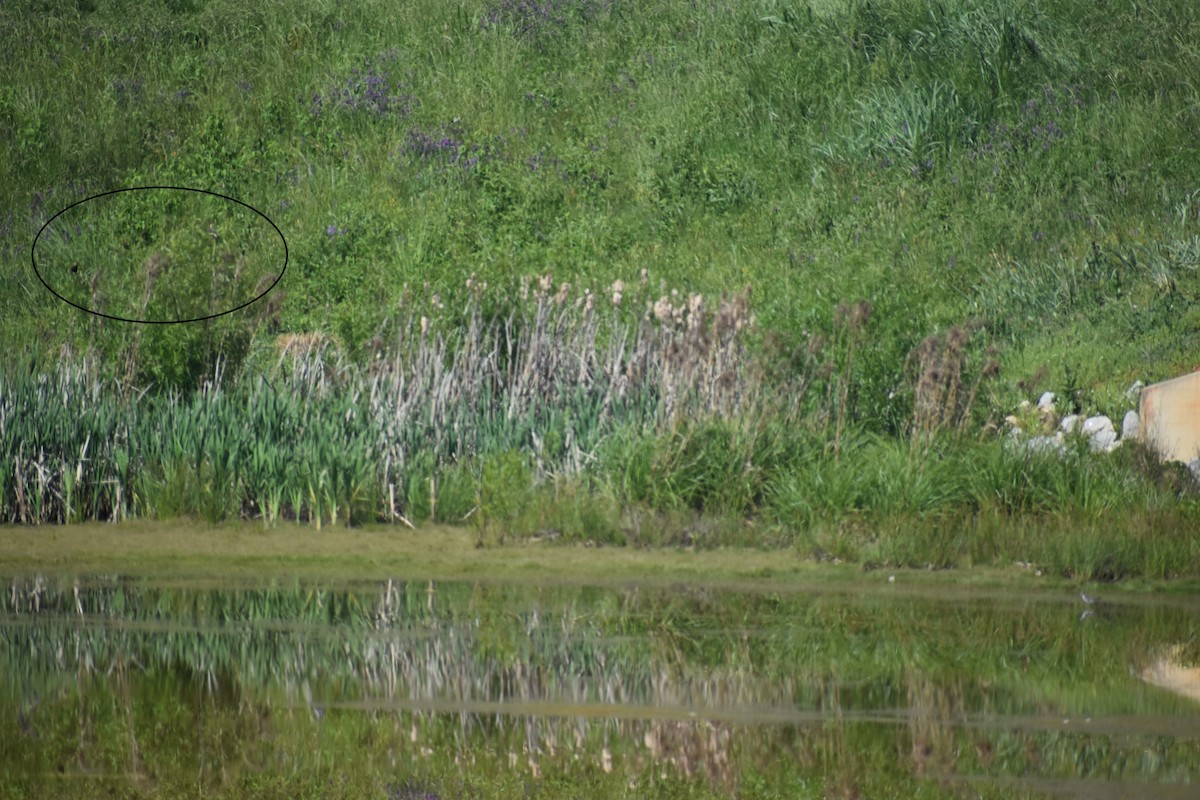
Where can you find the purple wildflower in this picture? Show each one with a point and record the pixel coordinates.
(1037, 125)
(128, 91)
(446, 148)
(537, 20)
(370, 90)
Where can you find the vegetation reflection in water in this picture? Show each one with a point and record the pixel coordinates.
(415, 690)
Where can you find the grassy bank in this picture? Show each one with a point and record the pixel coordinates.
(578, 422)
(198, 553)
(522, 240)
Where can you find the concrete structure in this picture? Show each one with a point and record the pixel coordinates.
(1170, 418)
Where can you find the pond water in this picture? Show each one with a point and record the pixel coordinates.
(405, 690)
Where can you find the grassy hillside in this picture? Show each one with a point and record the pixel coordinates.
(1011, 187)
(1030, 165)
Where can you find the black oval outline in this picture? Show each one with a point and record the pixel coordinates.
(33, 256)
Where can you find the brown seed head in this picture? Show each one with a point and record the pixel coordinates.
(841, 312)
(156, 263)
(929, 347)
(861, 314)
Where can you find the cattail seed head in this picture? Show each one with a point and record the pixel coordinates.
(861, 314)
(155, 264)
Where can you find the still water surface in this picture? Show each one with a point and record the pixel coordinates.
(407, 690)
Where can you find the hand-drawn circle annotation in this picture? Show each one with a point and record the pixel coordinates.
(159, 255)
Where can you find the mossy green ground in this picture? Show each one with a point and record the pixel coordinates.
(195, 551)
(249, 550)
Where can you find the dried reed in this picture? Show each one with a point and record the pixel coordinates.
(939, 403)
(542, 369)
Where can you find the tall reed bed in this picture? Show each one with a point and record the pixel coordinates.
(78, 447)
(319, 438)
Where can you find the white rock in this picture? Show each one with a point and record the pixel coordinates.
(1134, 391)
(1103, 442)
(1069, 424)
(1100, 433)
(1024, 406)
(1130, 425)
(1041, 444)
(1046, 400)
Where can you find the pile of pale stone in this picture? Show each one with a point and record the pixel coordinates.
(1099, 431)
